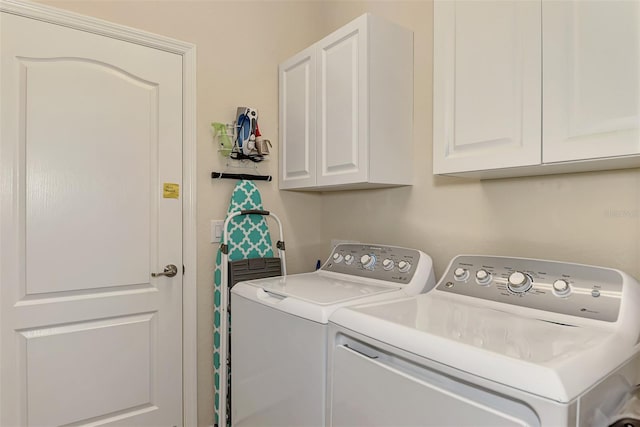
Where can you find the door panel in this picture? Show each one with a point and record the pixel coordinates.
(591, 79)
(91, 129)
(298, 120)
(487, 92)
(343, 106)
(68, 362)
(65, 196)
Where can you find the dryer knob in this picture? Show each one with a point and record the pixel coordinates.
(388, 264)
(561, 287)
(368, 261)
(461, 274)
(404, 266)
(483, 277)
(348, 259)
(337, 258)
(519, 282)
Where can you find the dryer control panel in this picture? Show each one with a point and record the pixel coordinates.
(573, 289)
(388, 263)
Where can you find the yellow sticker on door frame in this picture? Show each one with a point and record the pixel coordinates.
(170, 190)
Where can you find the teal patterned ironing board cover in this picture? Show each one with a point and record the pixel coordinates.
(248, 238)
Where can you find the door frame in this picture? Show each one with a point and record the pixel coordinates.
(188, 52)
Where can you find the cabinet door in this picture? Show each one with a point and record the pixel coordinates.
(487, 94)
(297, 77)
(591, 79)
(342, 106)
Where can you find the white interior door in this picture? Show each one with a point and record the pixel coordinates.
(91, 130)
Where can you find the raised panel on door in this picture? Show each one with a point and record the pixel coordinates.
(298, 120)
(343, 106)
(65, 193)
(91, 129)
(106, 359)
(591, 79)
(487, 93)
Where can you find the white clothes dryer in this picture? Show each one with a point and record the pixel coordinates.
(499, 342)
(279, 329)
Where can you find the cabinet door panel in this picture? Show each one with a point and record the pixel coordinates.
(487, 93)
(298, 120)
(591, 79)
(342, 104)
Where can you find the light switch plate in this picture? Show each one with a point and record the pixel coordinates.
(216, 230)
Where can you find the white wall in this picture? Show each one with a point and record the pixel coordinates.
(589, 218)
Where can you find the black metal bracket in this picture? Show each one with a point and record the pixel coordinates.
(225, 175)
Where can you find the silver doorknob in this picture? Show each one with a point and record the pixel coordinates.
(169, 271)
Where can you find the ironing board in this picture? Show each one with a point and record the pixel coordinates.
(248, 238)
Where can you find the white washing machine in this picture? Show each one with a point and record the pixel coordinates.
(279, 329)
(499, 342)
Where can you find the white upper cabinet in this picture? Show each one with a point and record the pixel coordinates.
(346, 109)
(535, 87)
(297, 79)
(591, 79)
(486, 91)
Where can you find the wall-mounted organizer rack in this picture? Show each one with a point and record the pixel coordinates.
(241, 143)
(242, 140)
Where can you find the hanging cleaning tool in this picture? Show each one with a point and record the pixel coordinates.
(226, 145)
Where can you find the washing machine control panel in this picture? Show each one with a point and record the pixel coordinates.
(573, 289)
(389, 263)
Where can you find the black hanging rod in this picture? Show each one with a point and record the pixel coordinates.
(224, 175)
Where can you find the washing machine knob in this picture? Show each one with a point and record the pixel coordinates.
(561, 287)
(368, 261)
(348, 259)
(483, 277)
(388, 264)
(461, 274)
(337, 258)
(519, 282)
(404, 266)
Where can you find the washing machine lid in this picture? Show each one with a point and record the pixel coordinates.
(321, 288)
(553, 360)
(315, 295)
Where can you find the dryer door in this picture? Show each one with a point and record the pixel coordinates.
(376, 389)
